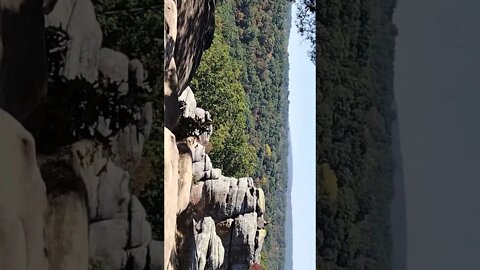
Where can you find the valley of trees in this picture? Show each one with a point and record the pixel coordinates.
(354, 116)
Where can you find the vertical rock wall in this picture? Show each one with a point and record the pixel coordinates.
(78, 213)
(222, 227)
(73, 208)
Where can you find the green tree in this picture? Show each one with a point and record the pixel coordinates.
(217, 88)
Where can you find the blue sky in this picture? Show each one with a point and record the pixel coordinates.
(302, 133)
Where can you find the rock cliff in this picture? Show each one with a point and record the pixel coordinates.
(69, 205)
(65, 184)
(223, 225)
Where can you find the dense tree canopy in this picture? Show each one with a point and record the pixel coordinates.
(354, 116)
(217, 87)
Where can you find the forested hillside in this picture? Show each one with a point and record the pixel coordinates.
(354, 121)
(243, 81)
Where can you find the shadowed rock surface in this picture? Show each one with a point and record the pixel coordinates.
(23, 200)
(23, 62)
(74, 195)
(80, 213)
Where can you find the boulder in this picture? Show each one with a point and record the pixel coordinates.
(242, 245)
(198, 171)
(140, 229)
(78, 19)
(216, 173)
(213, 174)
(198, 153)
(113, 193)
(210, 252)
(226, 197)
(108, 234)
(114, 68)
(107, 240)
(188, 97)
(201, 114)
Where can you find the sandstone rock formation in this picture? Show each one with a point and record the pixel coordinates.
(223, 226)
(78, 19)
(75, 207)
(170, 85)
(195, 28)
(171, 157)
(189, 28)
(225, 213)
(119, 234)
(23, 201)
(66, 228)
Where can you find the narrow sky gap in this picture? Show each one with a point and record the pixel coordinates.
(302, 133)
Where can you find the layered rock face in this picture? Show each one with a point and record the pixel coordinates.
(23, 201)
(73, 208)
(189, 28)
(119, 235)
(229, 216)
(222, 227)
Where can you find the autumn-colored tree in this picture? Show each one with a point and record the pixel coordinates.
(256, 266)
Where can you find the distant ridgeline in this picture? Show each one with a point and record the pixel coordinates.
(243, 78)
(356, 41)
